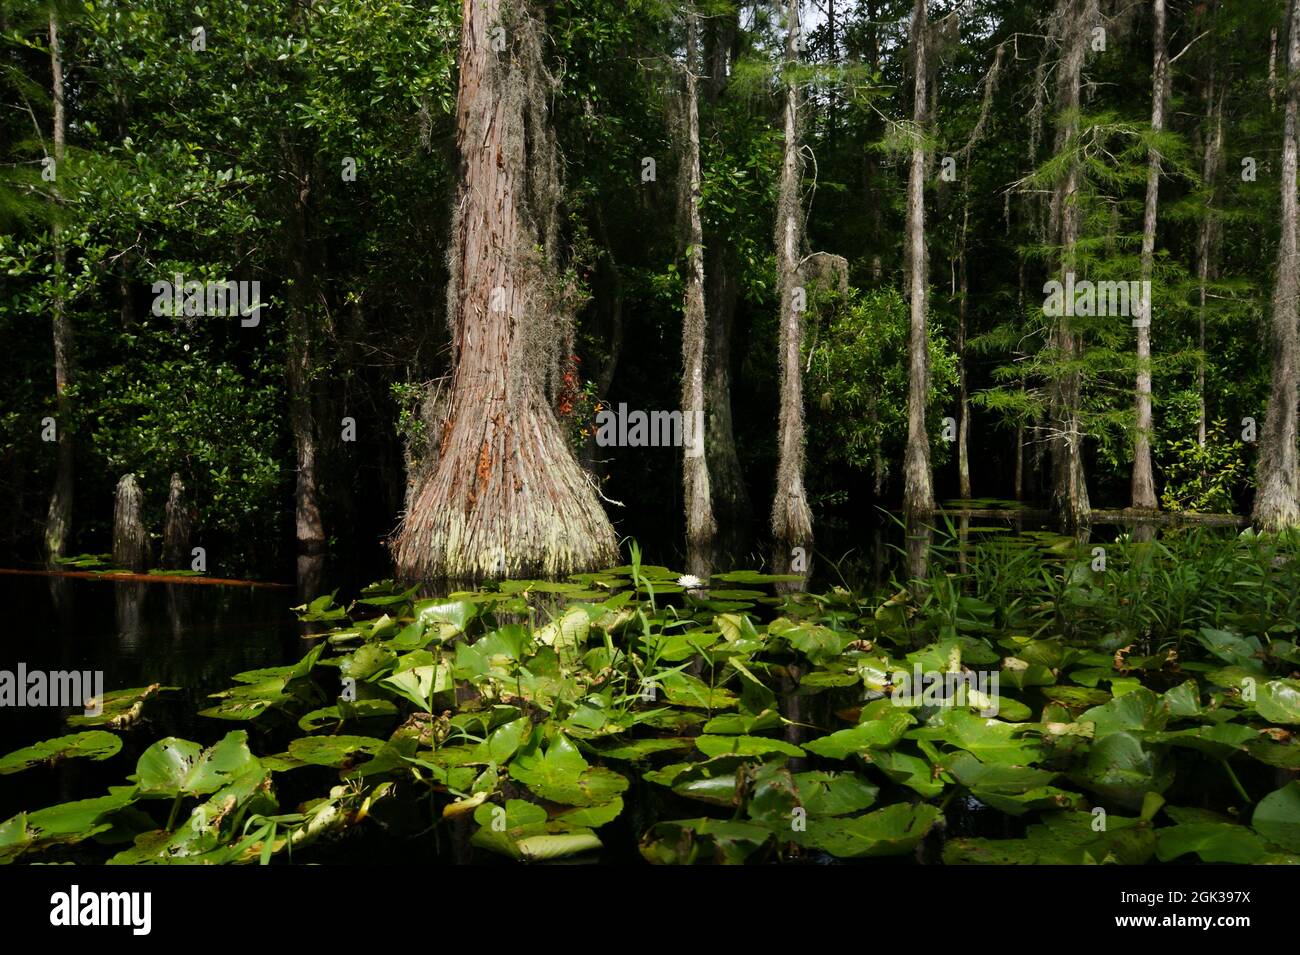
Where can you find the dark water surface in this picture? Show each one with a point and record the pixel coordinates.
(184, 635)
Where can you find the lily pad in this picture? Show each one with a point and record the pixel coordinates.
(93, 744)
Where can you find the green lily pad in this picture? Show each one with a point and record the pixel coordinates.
(93, 744)
(1277, 817)
(894, 830)
(172, 766)
(834, 794)
(335, 751)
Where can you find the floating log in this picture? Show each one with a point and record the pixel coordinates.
(119, 575)
(1100, 516)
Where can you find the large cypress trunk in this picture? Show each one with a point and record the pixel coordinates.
(697, 500)
(1277, 501)
(58, 521)
(791, 517)
(918, 491)
(1069, 485)
(507, 495)
(1144, 485)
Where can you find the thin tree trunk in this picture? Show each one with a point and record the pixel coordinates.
(1277, 501)
(58, 522)
(1069, 485)
(1144, 485)
(731, 503)
(1205, 239)
(963, 426)
(918, 491)
(731, 500)
(309, 528)
(791, 517)
(698, 502)
(507, 496)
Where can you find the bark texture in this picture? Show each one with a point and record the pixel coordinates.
(918, 491)
(1277, 500)
(791, 516)
(1143, 480)
(130, 539)
(177, 526)
(696, 497)
(58, 521)
(1069, 485)
(1208, 230)
(507, 496)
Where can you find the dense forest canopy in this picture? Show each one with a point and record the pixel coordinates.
(434, 279)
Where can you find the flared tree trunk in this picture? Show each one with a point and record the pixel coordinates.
(698, 503)
(1069, 485)
(1277, 500)
(792, 534)
(58, 521)
(507, 496)
(1143, 483)
(918, 490)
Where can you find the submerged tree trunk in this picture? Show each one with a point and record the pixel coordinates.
(918, 491)
(792, 534)
(697, 500)
(58, 521)
(507, 495)
(1144, 485)
(130, 539)
(1069, 485)
(1277, 501)
(177, 527)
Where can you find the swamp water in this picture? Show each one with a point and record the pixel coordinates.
(1145, 713)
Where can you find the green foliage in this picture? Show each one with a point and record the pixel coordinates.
(211, 422)
(856, 384)
(1204, 478)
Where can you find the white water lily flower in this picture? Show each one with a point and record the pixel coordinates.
(689, 582)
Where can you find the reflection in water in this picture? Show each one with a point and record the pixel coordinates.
(919, 540)
(1144, 533)
(311, 570)
(129, 605)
